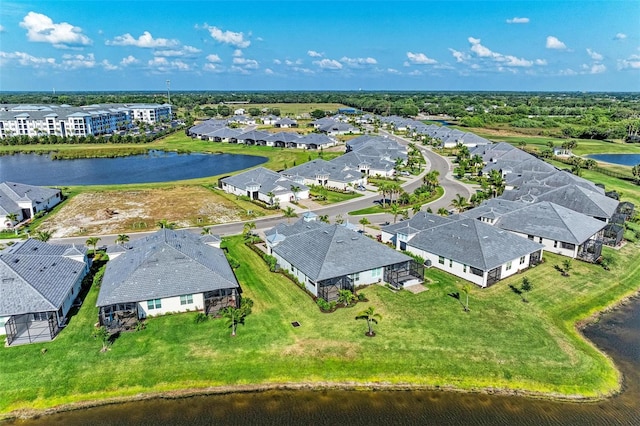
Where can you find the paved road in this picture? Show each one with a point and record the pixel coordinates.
(451, 186)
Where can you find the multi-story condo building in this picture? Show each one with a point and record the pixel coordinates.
(64, 120)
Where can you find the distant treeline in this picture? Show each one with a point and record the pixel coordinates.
(571, 114)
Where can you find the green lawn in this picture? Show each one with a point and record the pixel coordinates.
(424, 339)
(378, 208)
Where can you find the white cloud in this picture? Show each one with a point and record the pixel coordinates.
(420, 58)
(594, 55)
(554, 43)
(568, 72)
(620, 36)
(358, 62)
(594, 68)
(239, 70)
(237, 53)
(162, 65)
(460, 56)
(479, 49)
(108, 66)
(184, 51)
(415, 72)
(393, 71)
(517, 20)
(632, 62)
(213, 58)
(246, 63)
(129, 60)
(146, 41)
(78, 61)
(512, 61)
(289, 63)
(277, 61)
(268, 71)
(211, 67)
(41, 28)
(2, 29)
(328, 64)
(303, 70)
(314, 54)
(541, 62)
(228, 37)
(25, 59)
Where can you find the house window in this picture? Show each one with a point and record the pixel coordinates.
(540, 240)
(555, 244)
(508, 265)
(522, 259)
(186, 299)
(154, 304)
(530, 237)
(450, 263)
(568, 246)
(464, 268)
(441, 260)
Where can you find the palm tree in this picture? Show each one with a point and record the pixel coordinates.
(364, 222)
(205, 231)
(383, 188)
(416, 209)
(526, 287)
(271, 196)
(248, 228)
(93, 242)
(339, 219)
(235, 316)
(460, 203)
(324, 218)
(122, 238)
(11, 217)
(431, 179)
(395, 211)
(371, 317)
(566, 267)
(289, 212)
(295, 189)
(43, 236)
(443, 212)
(466, 289)
(165, 224)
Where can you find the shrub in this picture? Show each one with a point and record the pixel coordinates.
(200, 317)
(361, 297)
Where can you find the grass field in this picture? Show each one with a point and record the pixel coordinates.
(423, 339)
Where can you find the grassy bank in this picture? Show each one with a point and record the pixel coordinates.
(424, 339)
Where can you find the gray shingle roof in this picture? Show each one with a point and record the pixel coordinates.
(419, 222)
(165, 264)
(268, 180)
(551, 221)
(473, 243)
(12, 192)
(37, 277)
(334, 251)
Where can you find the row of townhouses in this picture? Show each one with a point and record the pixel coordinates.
(65, 120)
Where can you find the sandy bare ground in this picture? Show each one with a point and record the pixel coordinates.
(116, 212)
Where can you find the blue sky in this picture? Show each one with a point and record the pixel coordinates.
(320, 45)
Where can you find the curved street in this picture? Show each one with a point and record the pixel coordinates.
(451, 187)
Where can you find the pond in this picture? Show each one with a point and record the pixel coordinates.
(617, 333)
(622, 159)
(155, 166)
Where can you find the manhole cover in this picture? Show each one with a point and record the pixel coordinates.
(295, 324)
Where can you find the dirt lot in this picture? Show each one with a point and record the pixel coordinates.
(115, 212)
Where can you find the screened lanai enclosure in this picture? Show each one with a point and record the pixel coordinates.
(329, 289)
(119, 317)
(216, 300)
(31, 328)
(404, 274)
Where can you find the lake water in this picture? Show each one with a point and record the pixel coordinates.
(623, 159)
(156, 166)
(617, 333)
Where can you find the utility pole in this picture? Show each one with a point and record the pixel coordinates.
(169, 92)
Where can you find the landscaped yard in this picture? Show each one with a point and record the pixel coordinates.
(423, 339)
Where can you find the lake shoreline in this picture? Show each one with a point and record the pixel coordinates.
(345, 386)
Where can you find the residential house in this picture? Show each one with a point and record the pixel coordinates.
(25, 201)
(329, 258)
(475, 251)
(39, 283)
(166, 272)
(265, 185)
